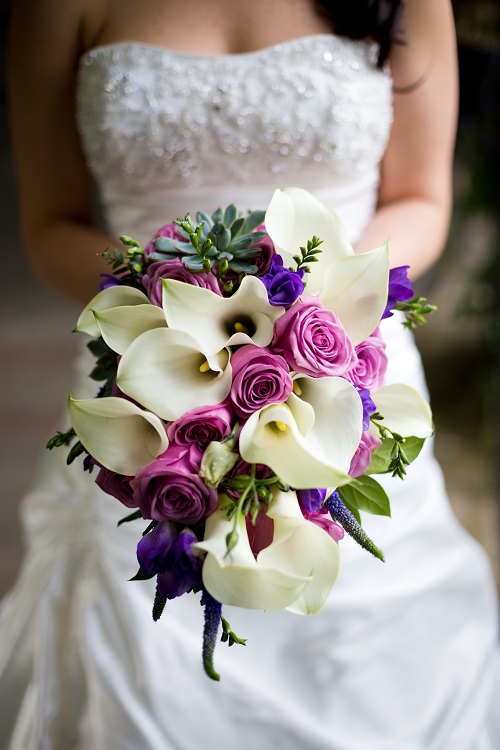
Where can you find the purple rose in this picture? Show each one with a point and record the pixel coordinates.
(369, 371)
(183, 570)
(361, 458)
(169, 230)
(116, 485)
(266, 252)
(311, 500)
(202, 425)
(400, 289)
(259, 378)
(167, 489)
(283, 286)
(313, 340)
(174, 269)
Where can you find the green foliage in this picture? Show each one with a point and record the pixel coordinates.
(366, 494)
(382, 459)
(308, 254)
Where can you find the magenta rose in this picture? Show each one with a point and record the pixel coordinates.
(169, 230)
(167, 489)
(266, 252)
(174, 269)
(116, 485)
(361, 458)
(369, 371)
(313, 340)
(259, 378)
(202, 425)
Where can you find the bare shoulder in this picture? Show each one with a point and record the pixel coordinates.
(428, 36)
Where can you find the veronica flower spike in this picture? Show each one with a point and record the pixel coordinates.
(245, 318)
(354, 287)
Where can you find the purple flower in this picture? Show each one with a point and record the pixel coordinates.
(169, 230)
(108, 280)
(259, 378)
(168, 553)
(154, 547)
(323, 519)
(266, 252)
(311, 500)
(361, 458)
(369, 371)
(202, 425)
(169, 488)
(174, 269)
(400, 289)
(313, 340)
(369, 407)
(116, 485)
(183, 571)
(283, 286)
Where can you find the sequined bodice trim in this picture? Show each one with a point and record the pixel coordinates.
(307, 111)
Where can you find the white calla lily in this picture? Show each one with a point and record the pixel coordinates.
(355, 289)
(245, 318)
(113, 296)
(299, 547)
(168, 372)
(120, 326)
(118, 434)
(405, 411)
(236, 578)
(302, 452)
(293, 217)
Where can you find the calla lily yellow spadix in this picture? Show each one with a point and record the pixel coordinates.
(221, 321)
(354, 287)
(118, 434)
(296, 439)
(164, 370)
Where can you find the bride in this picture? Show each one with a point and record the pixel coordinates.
(188, 106)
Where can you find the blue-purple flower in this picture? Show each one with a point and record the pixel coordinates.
(108, 279)
(168, 553)
(400, 289)
(283, 286)
(311, 500)
(369, 407)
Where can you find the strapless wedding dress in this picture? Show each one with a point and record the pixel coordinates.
(403, 655)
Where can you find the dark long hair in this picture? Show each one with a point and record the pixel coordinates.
(365, 19)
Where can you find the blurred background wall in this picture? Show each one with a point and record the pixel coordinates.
(460, 345)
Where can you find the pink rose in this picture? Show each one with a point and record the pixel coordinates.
(313, 340)
(202, 425)
(369, 371)
(361, 458)
(168, 489)
(174, 269)
(259, 378)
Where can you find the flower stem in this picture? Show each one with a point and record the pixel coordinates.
(344, 517)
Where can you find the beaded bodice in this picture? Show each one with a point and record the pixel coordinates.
(159, 124)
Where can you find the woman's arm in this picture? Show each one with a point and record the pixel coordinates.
(61, 244)
(416, 181)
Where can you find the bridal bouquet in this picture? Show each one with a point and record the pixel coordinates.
(243, 411)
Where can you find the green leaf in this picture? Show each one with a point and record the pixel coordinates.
(132, 517)
(364, 493)
(236, 226)
(382, 456)
(75, 451)
(218, 215)
(243, 267)
(242, 243)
